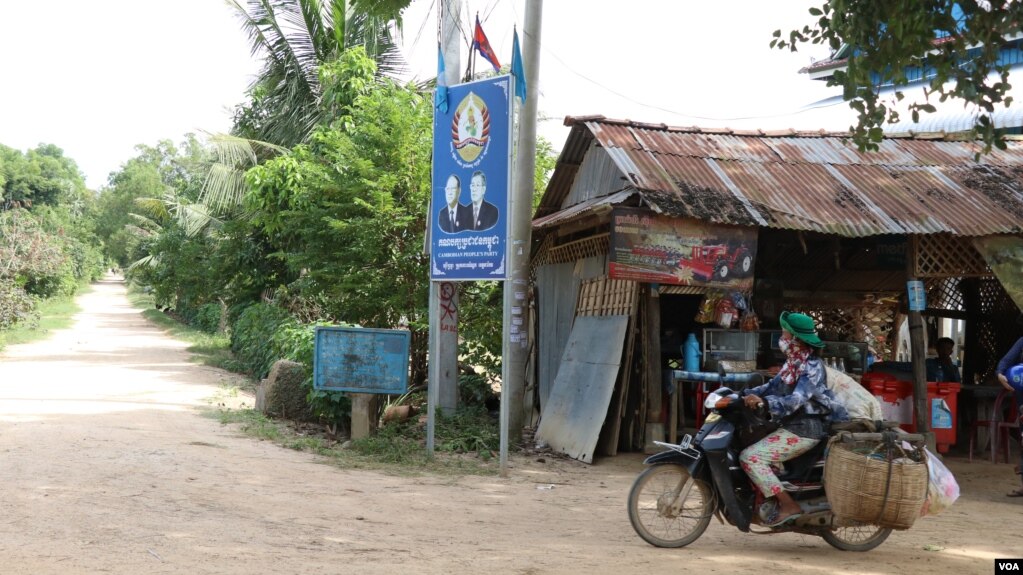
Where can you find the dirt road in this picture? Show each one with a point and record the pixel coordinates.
(109, 466)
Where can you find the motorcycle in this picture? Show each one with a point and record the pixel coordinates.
(671, 503)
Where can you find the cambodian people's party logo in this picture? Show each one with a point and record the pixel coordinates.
(470, 130)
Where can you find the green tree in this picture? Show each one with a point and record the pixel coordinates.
(296, 38)
(957, 42)
(115, 225)
(348, 209)
(42, 176)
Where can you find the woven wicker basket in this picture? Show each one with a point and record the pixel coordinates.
(871, 490)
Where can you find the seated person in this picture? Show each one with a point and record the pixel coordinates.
(799, 398)
(942, 368)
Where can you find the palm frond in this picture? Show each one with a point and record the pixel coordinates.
(149, 261)
(152, 208)
(195, 218)
(224, 188)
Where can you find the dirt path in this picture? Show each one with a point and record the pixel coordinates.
(108, 466)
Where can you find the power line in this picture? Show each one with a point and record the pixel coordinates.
(421, 28)
(659, 108)
(493, 4)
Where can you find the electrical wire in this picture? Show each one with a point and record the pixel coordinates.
(549, 52)
(423, 27)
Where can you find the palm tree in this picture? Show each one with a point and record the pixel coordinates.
(296, 38)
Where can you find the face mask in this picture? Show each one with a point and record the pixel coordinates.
(784, 344)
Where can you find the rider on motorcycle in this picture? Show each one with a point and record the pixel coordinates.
(799, 400)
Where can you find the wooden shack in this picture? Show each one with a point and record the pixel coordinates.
(637, 219)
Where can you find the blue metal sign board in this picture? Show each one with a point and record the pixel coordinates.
(471, 182)
(361, 360)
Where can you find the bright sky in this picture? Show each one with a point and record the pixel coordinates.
(98, 78)
(661, 61)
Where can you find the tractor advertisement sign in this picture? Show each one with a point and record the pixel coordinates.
(648, 247)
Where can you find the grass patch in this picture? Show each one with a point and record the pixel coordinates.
(466, 443)
(252, 423)
(398, 448)
(54, 314)
(212, 349)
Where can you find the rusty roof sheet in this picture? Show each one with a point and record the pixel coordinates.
(811, 181)
(594, 206)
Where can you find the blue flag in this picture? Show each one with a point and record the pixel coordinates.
(440, 97)
(516, 68)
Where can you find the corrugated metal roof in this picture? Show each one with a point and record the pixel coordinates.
(811, 181)
(591, 206)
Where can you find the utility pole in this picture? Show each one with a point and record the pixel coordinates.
(442, 390)
(516, 311)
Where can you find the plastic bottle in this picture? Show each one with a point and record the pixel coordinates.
(691, 352)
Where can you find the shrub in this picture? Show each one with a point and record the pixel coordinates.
(252, 337)
(475, 390)
(298, 343)
(206, 318)
(61, 282)
(16, 306)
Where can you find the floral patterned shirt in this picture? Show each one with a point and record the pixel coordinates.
(810, 393)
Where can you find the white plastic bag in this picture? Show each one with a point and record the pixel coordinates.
(942, 490)
(859, 402)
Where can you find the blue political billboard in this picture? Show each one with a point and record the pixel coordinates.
(471, 182)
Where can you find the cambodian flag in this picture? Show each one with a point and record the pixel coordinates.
(480, 42)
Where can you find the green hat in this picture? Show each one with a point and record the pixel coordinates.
(801, 326)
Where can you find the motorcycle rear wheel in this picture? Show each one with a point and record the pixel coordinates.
(651, 501)
(856, 538)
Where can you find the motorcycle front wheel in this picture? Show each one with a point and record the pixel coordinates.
(857, 537)
(657, 514)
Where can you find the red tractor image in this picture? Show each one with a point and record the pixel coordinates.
(719, 262)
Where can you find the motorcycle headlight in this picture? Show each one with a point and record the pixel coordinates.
(715, 396)
(711, 417)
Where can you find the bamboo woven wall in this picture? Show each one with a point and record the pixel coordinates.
(548, 253)
(603, 296)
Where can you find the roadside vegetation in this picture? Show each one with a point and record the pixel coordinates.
(311, 212)
(53, 314)
(465, 442)
(48, 245)
(397, 447)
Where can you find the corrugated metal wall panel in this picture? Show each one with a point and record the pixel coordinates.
(558, 290)
(598, 176)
